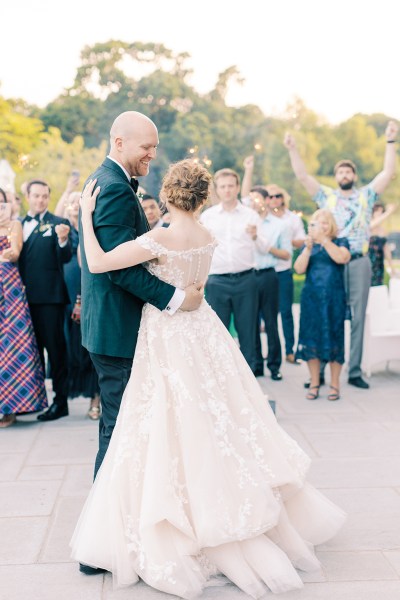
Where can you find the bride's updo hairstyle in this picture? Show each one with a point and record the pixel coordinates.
(186, 185)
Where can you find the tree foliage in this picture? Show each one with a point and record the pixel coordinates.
(115, 76)
(53, 159)
(19, 133)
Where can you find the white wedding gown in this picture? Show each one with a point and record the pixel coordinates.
(199, 479)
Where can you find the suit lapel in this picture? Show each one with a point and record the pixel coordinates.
(110, 164)
(39, 230)
(113, 166)
(32, 237)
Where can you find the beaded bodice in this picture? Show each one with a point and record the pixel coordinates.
(180, 268)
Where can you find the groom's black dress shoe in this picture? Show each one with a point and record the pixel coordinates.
(86, 570)
(359, 382)
(54, 412)
(276, 375)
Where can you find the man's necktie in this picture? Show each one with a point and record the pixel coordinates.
(134, 184)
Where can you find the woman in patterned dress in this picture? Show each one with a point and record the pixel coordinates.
(22, 388)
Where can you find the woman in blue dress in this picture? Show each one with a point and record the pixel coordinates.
(323, 301)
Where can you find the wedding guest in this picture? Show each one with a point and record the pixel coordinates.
(323, 301)
(22, 388)
(152, 210)
(279, 200)
(46, 248)
(231, 287)
(16, 204)
(17, 207)
(379, 248)
(272, 243)
(352, 209)
(82, 376)
(278, 203)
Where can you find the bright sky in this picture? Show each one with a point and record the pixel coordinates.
(340, 56)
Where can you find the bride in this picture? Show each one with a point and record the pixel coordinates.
(199, 479)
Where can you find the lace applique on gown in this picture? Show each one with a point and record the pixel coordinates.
(199, 478)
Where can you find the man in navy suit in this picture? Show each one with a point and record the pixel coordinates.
(46, 248)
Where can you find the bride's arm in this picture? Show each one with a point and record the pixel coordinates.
(125, 255)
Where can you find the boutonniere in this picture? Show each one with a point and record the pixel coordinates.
(45, 227)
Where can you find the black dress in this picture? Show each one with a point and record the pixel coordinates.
(323, 307)
(82, 376)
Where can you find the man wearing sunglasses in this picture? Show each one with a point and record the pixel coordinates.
(278, 200)
(273, 243)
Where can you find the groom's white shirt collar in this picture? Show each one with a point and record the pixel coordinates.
(121, 166)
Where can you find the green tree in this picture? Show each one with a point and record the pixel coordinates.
(79, 114)
(53, 159)
(19, 134)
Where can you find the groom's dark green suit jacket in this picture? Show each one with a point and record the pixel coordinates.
(112, 302)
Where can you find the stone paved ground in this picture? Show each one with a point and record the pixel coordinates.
(46, 469)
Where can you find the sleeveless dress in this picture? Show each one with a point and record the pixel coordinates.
(199, 479)
(323, 307)
(22, 388)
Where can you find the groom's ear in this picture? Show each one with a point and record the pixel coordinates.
(118, 143)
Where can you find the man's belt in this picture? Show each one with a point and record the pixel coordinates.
(265, 269)
(233, 275)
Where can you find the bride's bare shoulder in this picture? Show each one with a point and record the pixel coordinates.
(208, 237)
(174, 238)
(158, 234)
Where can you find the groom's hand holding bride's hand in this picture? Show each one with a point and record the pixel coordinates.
(194, 294)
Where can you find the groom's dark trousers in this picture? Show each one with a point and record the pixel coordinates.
(112, 302)
(114, 373)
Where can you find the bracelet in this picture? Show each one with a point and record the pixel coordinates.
(391, 141)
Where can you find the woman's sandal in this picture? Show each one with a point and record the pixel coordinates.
(335, 395)
(94, 413)
(7, 420)
(312, 395)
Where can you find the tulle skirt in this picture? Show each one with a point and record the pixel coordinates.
(199, 478)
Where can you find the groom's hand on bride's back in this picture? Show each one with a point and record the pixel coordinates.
(194, 294)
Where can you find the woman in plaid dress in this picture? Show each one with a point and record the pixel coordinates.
(22, 388)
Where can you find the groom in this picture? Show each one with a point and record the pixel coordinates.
(112, 302)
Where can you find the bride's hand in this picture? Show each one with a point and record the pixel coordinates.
(88, 197)
(194, 295)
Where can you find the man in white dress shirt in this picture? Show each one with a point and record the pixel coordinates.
(231, 288)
